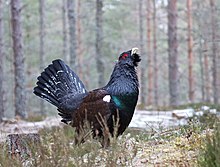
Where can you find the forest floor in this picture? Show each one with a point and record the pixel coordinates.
(177, 146)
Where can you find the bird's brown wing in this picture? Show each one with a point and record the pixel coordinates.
(94, 110)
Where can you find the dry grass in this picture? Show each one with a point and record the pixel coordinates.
(57, 147)
(173, 147)
(210, 154)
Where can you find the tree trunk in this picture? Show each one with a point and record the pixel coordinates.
(42, 54)
(20, 95)
(1, 62)
(72, 32)
(99, 42)
(190, 53)
(155, 53)
(143, 64)
(201, 68)
(214, 53)
(64, 16)
(79, 42)
(207, 76)
(149, 55)
(172, 51)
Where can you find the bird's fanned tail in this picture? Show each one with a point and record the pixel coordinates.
(60, 86)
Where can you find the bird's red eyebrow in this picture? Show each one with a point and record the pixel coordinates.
(124, 55)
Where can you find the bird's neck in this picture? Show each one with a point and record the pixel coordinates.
(123, 86)
(123, 80)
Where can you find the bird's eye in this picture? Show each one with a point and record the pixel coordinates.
(124, 56)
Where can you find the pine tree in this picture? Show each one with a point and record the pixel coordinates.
(72, 33)
(42, 52)
(215, 55)
(19, 60)
(1, 62)
(173, 54)
(143, 64)
(99, 42)
(155, 54)
(149, 55)
(64, 24)
(190, 51)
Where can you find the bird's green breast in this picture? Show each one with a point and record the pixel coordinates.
(125, 102)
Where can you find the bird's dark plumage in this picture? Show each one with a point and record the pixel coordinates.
(60, 86)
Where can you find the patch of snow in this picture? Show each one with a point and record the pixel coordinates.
(185, 113)
(205, 108)
(213, 111)
(199, 113)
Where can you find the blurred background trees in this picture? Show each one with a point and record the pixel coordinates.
(42, 49)
(1, 63)
(18, 60)
(173, 52)
(178, 40)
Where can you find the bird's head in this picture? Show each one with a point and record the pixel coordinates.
(124, 78)
(130, 58)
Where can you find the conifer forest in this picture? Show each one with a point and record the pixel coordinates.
(178, 43)
(179, 47)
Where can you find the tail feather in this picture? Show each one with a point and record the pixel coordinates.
(60, 86)
(40, 92)
(72, 81)
(66, 116)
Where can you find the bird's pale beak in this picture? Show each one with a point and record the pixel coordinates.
(134, 51)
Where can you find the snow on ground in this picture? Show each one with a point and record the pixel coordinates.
(155, 119)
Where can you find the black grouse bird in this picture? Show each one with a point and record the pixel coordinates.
(60, 86)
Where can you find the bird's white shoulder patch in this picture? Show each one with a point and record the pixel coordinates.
(107, 98)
